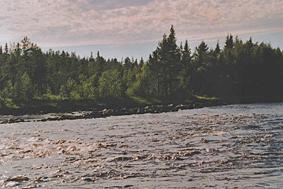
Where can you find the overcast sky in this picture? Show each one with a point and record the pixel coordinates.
(133, 27)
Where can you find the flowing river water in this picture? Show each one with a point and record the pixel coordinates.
(236, 146)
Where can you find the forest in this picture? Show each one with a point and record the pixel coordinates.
(240, 72)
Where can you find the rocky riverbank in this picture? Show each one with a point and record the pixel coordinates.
(106, 112)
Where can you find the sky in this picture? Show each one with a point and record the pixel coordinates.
(121, 28)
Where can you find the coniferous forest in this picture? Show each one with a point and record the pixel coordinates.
(240, 72)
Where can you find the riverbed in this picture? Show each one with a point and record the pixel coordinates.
(236, 146)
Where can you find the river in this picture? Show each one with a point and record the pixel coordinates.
(236, 146)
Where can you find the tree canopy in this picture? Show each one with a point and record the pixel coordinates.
(241, 71)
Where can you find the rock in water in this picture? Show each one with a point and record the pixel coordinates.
(19, 178)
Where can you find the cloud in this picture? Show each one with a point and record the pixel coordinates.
(110, 4)
(91, 22)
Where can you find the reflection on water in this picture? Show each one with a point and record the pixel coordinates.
(223, 147)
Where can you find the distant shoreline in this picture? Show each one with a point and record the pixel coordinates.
(103, 112)
(16, 116)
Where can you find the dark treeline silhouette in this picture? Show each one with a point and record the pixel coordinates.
(243, 71)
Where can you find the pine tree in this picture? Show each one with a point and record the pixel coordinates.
(217, 49)
(186, 71)
(229, 43)
(6, 48)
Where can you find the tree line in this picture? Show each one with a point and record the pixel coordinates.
(241, 71)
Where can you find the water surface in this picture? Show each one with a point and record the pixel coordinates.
(238, 146)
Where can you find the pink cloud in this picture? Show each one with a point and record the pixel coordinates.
(68, 22)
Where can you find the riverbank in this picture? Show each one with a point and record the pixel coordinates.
(100, 111)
